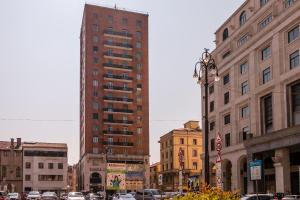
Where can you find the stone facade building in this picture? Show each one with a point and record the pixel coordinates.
(11, 158)
(256, 104)
(45, 167)
(114, 105)
(189, 140)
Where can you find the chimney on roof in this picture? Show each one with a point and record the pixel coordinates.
(12, 143)
(192, 124)
(18, 142)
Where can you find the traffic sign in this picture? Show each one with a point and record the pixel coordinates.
(255, 170)
(160, 179)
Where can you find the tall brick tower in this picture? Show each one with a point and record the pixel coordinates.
(114, 97)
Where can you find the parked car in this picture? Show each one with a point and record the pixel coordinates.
(150, 194)
(63, 196)
(2, 195)
(34, 195)
(75, 196)
(13, 196)
(291, 197)
(49, 196)
(116, 196)
(133, 194)
(101, 194)
(126, 197)
(260, 197)
(92, 196)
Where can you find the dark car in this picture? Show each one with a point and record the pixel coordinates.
(2, 195)
(63, 196)
(49, 196)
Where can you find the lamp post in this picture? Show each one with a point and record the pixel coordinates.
(105, 178)
(206, 65)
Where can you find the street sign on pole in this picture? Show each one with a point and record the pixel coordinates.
(218, 164)
(255, 170)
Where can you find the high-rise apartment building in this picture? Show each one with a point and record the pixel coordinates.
(256, 103)
(114, 107)
(186, 141)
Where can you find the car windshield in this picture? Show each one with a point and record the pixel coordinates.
(75, 194)
(125, 196)
(155, 192)
(34, 193)
(49, 194)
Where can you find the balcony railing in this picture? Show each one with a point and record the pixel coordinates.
(117, 77)
(111, 32)
(117, 99)
(118, 55)
(129, 144)
(118, 132)
(117, 66)
(117, 110)
(118, 121)
(118, 44)
(117, 88)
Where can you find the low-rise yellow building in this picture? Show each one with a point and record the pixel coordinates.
(189, 139)
(154, 173)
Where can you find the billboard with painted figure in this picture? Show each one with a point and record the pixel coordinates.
(116, 176)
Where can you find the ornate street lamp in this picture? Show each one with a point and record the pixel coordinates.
(206, 65)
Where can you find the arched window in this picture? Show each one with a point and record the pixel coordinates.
(18, 172)
(243, 18)
(225, 34)
(95, 178)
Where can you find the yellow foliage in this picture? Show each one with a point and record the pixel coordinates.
(209, 193)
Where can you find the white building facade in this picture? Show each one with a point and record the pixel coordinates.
(256, 104)
(45, 167)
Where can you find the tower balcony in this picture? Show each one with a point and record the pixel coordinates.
(118, 88)
(117, 78)
(115, 110)
(117, 34)
(117, 56)
(123, 144)
(118, 45)
(118, 122)
(126, 133)
(117, 100)
(117, 67)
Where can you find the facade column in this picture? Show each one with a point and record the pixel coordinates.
(234, 175)
(250, 185)
(282, 170)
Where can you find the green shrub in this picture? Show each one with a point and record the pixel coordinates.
(209, 193)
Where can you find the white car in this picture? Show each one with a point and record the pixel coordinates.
(13, 196)
(34, 195)
(126, 197)
(75, 196)
(291, 197)
(260, 197)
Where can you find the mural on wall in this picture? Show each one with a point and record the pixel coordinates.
(116, 176)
